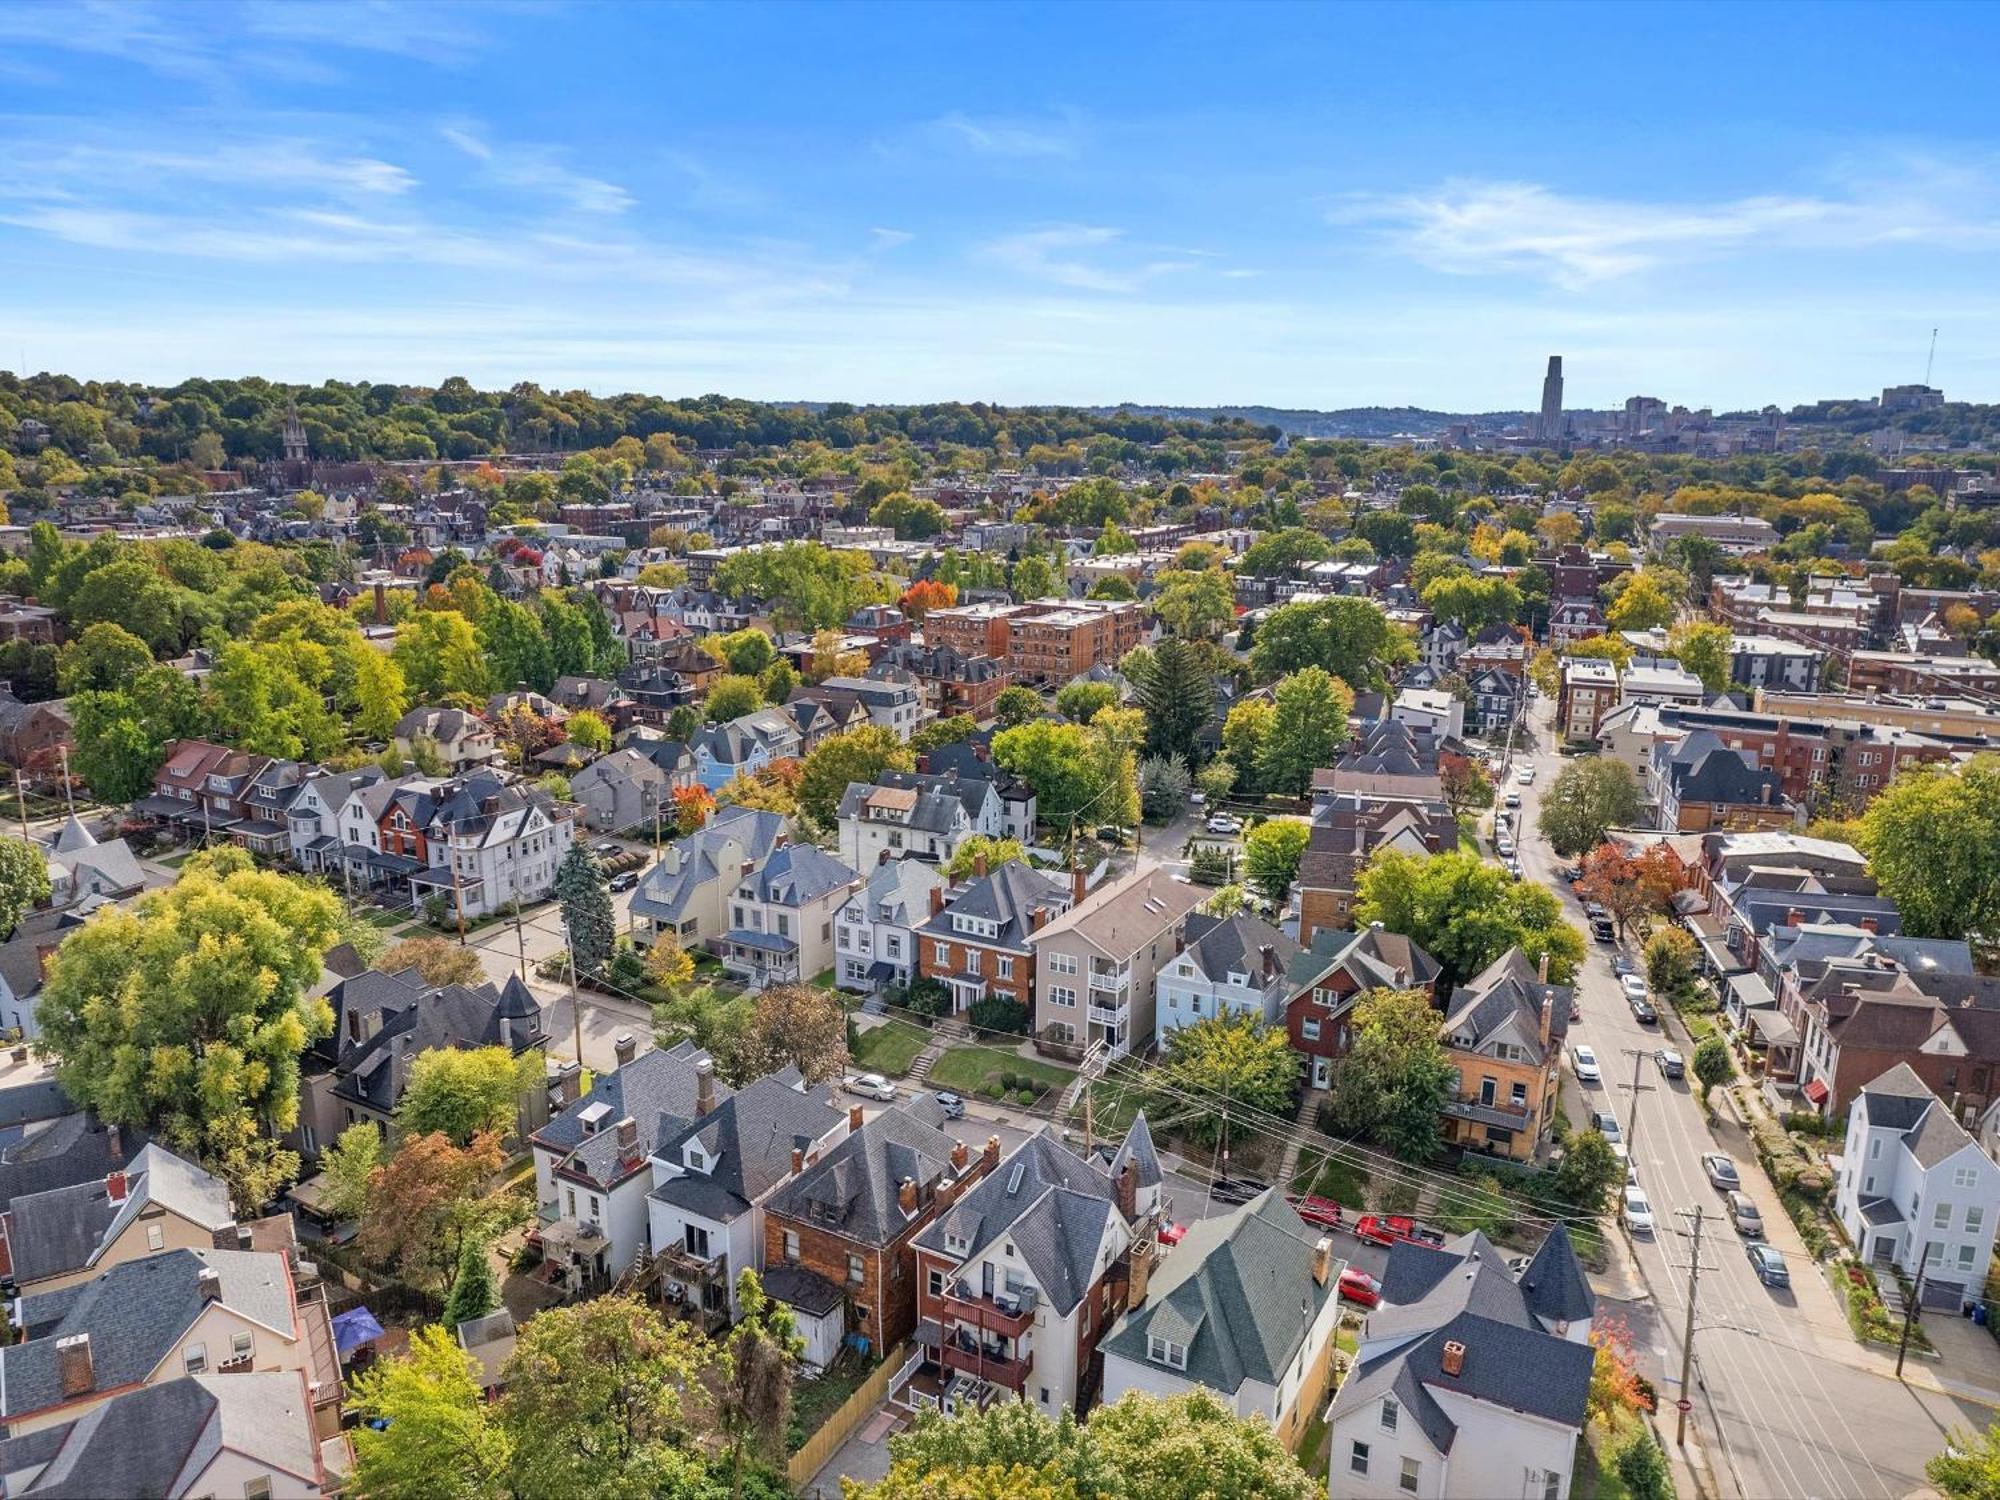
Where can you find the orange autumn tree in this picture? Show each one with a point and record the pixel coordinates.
(1615, 1386)
(925, 595)
(692, 806)
(1630, 886)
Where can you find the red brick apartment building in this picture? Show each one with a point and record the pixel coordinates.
(1044, 642)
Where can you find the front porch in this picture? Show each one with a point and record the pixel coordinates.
(759, 959)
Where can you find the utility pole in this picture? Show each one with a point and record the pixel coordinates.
(575, 1005)
(1909, 1319)
(1638, 1055)
(1687, 1337)
(21, 800)
(69, 793)
(520, 942)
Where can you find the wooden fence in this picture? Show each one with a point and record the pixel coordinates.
(850, 1414)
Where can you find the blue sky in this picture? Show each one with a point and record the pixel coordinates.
(1719, 204)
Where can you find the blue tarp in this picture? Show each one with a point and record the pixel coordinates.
(353, 1328)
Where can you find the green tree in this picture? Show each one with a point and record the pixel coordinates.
(596, 1402)
(1216, 780)
(1713, 1066)
(426, 1431)
(1080, 700)
(1703, 648)
(187, 1013)
(1223, 1060)
(1017, 705)
(1164, 784)
(731, 697)
(997, 851)
(1034, 577)
(939, 733)
(1271, 855)
(753, 1379)
(1670, 962)
(779, 681)
(516, 646)
(1969, 1467)
(1643, 604)
(1308, 730)
(24, 880)
(810, 588)
(1112, 542)
(438, 961)
(1933, 842)
(346, 1167)
(1195, 605)
(1348, 637)
(440, 654)
(1245, 732)
(463, 1092)
(103, 658)
(121, 737)
(861, 754)
(1277, 554)
(586, 909)
(1473, 600)
(1178, 698)
(1587, 799)
(1113, 586)
(1395, 1080)
(589, 730)
(1588, 1170)
(472, 1292)
(1642, 1469)
(136, 596)
(913, 520)
(1465, 913)
(745, 652)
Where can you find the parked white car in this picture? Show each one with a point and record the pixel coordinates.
(871, 1086)
(1526, 776)
(1638, 1212)
(1634, 986)
(1223, 823)
(1584, 1061)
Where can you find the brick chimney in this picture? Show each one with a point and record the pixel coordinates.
(946, 1193)
(208, 1285)
(959, 1156)
(1141, 1273)
(1128, 1191)
(1548, 1015)
(1794, 917)
(937, 899)
(624, 1047)
(1076, 886)
(1038, 919)
(1453, 1358)
(798, 1161)
(906, 1196)
(1870, 924)
(1269, 955)
(979, 864)
(704, 1087)
(1323, 1259)
(628, 1140)
(74, 1373)
(1542, 970)
(114, 1186)
(853, 1118)
(990, 1157)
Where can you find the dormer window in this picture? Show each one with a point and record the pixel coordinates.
(1166, 1352)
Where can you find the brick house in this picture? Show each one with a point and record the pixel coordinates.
(977, 942)
(1325, 979)
(1589, 691)
(849, 1221)
(951, 681)
(1503, 1032)
(1347, 829)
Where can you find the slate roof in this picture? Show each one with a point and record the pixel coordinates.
(1374, 958)
(1007, 896)
(852, 1189)
(67, 1228)
(402, 1017)
(157, 1440)
(135, 1313)
(1050, 1203)
(41, 1099)
(1238, 1292)
(897, 892)
(657, 1089)
(1703, 769)
(936, 809)
(748, 1139)
(1138, 1146)
(664, 891)
(63, 1152)
(1462, 1293)
(1899, 1100)
(799, 874)
(1220, 946)
(1508, 989)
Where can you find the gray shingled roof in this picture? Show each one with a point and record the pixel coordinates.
(663, 892)
(657, 1089)
(1554, 1283)
(1898, 1099)
(852, 1189)
(1221, 946)
(1238, 1292)
(748, 1139)
(798, 874)
(1006, 896)
(65, 1229)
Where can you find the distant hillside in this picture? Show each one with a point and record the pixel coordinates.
(1353, 421)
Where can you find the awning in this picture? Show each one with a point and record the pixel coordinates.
(1750, 993)
(1816, 1091)
(763, 942)
(353, 1328)
(1774, 1030)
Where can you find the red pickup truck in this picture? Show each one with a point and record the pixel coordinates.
(1387, 1229)
(1316, 1210)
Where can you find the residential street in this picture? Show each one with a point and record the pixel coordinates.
(1803, 1409)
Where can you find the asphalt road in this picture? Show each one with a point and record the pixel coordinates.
(1776, 1371)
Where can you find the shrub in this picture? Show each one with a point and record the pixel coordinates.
(998, 1013)
(995, 1092)
(1025, 1098)
(1008, 1081)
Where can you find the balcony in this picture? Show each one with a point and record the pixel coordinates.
(1110, 981)
(1481, 1112)
(963, 1304)
(1109, 1015)
(982, 1365)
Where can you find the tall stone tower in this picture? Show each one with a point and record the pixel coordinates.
(1549, 425)
(295, 435)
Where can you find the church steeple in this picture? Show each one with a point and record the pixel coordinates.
(295, 435)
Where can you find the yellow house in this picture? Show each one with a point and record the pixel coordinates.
(1502, 1035)
(157, 1202)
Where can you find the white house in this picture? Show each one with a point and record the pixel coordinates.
(316, 812)
(893, 703)
(710, 1179)
(873, 937)
(1915, 1189)
(1245, 1306)
(905, 813)
(1233, 966)
(1432, 710)
(1468, 1382)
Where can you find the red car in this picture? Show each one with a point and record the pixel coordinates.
(1360, 1288)
(1314, 1210)
(1173, 1234)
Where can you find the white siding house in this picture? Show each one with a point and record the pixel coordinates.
(1231, 966)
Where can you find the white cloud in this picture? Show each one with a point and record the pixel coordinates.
(1063, 254)
(888, 239)
(538, 169)
(1011, 137)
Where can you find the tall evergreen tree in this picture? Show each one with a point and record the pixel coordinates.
(1178, 697)
(472, 1294)
(586, 909)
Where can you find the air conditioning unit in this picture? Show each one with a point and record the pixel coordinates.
(1007, 1302)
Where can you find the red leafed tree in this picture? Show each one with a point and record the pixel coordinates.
(1464, 782)
(525, 733)
(925, 595)
(424, 1201)
(1615, 1387)
(1631, 886)
(692, 806)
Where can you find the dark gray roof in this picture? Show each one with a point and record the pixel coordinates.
(63, 1152)
(698, 859)
(798, 874)
(64, 1229)
(808, 1291)
(1007, 896)
(1507, 989)
(135, 1313)
(852, 1189)
(1238, 1293)
(1138, 1146)
(897, 891)
(410, 1018)
(42, 1099)
(1554, 1283)
(1898, 1099)
(1935, 1137)
(1221, 946)
(657, 1089)
(748, 1140)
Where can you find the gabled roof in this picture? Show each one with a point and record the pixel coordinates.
(1554, 1283)
(1373, 957)
(66, 1229)
(1126, 915)
(1238, 1293)
(1007, 896)
(748, 1139)
(1508, 989)
(799, 874)
(657, 1089)
(693, 862)
(897, 891)
(1221, 946)
(852, 1190)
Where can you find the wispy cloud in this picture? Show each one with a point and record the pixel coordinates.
(1068, 255)
(1008, 136)
(538, 169)
(888, 239)
(1483, 228)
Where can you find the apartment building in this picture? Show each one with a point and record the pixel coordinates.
(1046, 642)
(1097, 965)
(1589, 691)
(1503, 1033)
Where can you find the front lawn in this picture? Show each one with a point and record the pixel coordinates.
(995, 1071)
(1343, 1182)
(888, 1049)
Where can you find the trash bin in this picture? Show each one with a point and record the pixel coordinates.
(1979, 1314)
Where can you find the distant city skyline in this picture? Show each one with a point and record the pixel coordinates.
(1167, 205)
